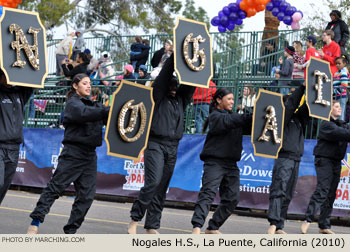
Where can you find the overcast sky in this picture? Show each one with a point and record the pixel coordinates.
(212, 7)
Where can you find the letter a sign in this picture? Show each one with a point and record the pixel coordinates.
(193, 53)
(129, 120)
(319, 88)
(23, 48)
(268, 123)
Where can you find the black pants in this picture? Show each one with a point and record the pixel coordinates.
(328, 176)
(8, 165)
(159, 161)
(79, 167)
(226, 178)
(284, 179)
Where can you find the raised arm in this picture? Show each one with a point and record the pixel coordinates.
(161, 83)
(292, 103)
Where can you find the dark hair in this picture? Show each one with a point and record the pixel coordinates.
(84, 57)
(138, 39)
(220, 93)
(145, 41)
(76, 79)
(344, 58)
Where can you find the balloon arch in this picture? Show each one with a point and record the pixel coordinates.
(233, 14)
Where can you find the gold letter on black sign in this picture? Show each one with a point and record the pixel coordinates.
(133, 119)
(196, 52)
(271, 124)
(319, 86)
(21, 42)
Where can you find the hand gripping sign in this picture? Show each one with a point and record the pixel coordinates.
(129, 120)
(193, 53)
(268, 122)
(23, 48)
(319, 88)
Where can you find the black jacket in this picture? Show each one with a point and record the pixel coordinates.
(224, 139)
(143, 80)
(157, 56)
(332, 139)
(168, 116)
(341, 31)
(140, 59)
(72, 71)
(12, 101)
(83, 121)
(294, 124)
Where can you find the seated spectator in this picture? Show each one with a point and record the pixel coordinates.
(144, 77)
(80, 66)
(159, 59)
(93, 62)
(129, 73)
(104, 69)
(201, 101)
(141, 58)
(246, 100)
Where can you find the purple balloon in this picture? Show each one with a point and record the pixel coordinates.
(233, 16)
(221, 28)
(221, 14)
(224, 21)
(280, 16)
(289, 11)
(287, 20)
(239, 1)
(269, 6)
(231, 26)
(239, 22)
(277, 3)
(226, 11)
(275, 11)
(242, 14)
(233, 7)
(215, 21)
(302, 14)
(283, 6)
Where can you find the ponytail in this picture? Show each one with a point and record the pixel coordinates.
(220, 93)
(76, 79)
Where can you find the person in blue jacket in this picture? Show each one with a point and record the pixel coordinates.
(221, 152)
(12, 101)
(83, 121)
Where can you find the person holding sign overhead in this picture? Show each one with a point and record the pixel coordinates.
(286, 166)
(221, 152)
(161, 152)
(12, 101)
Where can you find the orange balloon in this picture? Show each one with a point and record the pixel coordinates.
(243, 5)
(251, 12)
(260, 7)
(251, 3)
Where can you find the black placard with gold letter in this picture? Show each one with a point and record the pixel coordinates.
(23, 48)
(319, 88)
(193, 53)
(268, 123)
(129, 120)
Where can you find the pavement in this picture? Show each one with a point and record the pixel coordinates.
(106, 217)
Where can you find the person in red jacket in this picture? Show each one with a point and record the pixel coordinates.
(331, 50)
(201, 101)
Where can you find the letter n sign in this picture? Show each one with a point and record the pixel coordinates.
(129, 120)
(268, 123)
(193, 53)
(319, 88)
(23, 48)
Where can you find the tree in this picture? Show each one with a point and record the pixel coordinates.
(190, 12)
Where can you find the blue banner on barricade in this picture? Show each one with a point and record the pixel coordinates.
(122, 177)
